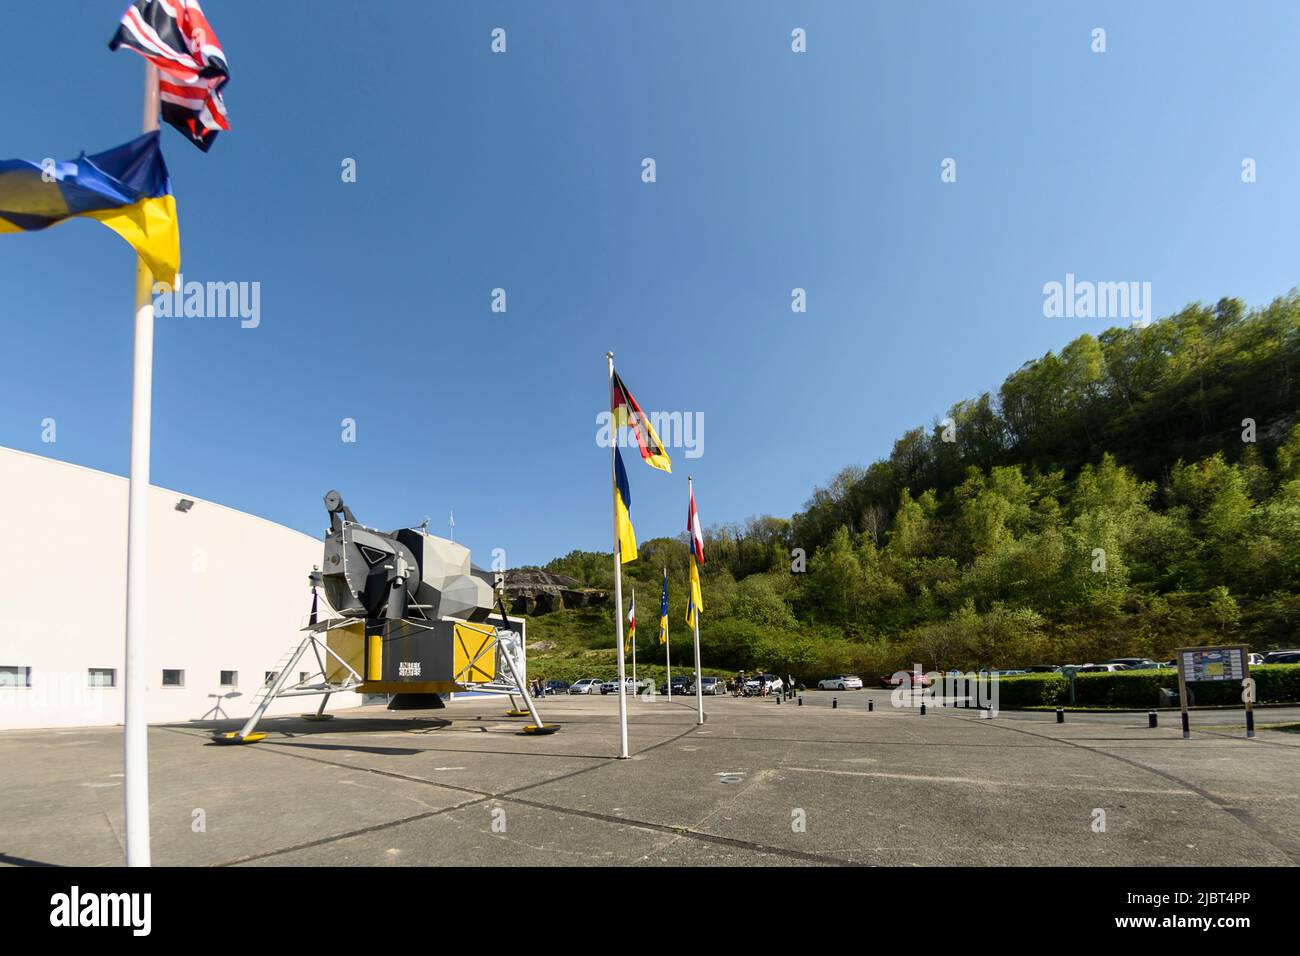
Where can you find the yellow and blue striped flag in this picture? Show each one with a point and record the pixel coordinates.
(663, 611)
(626, 535)
(128, 189)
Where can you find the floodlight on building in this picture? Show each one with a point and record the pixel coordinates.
(184, 505)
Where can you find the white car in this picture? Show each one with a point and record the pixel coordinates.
(629, 686)
(588, 685)
(842, 682)
(774, 683)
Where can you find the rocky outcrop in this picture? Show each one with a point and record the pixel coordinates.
(534, 591)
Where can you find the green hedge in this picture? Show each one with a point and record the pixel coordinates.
(1274, 684)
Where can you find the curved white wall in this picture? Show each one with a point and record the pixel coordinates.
(227, 591)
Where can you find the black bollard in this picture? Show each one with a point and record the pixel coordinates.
(1187, 730)
(778, 698)
(835, 702)
(922, 708)
(1060, 715)
(1151, 718)
(800, 700)
(871, 704)
(1250, 723)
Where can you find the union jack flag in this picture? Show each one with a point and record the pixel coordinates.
(176, 37)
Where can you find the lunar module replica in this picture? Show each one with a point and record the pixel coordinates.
(408, 615)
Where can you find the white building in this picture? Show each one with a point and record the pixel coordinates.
(228, 594)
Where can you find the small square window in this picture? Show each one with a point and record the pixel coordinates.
(302, 676)
(14, 676)
(101, 677)
(230, 678)
(271, 676)
(173, 678)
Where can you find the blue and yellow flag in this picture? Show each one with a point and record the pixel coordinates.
(626, 536)
(128, 189)
(663, 611)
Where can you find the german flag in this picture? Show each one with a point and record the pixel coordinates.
(627, 412)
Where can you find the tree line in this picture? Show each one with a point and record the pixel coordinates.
(1135, 492)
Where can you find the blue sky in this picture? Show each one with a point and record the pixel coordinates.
(522, 171)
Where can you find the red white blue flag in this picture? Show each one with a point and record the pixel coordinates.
(176, 37)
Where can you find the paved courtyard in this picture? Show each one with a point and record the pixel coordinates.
(760, 783)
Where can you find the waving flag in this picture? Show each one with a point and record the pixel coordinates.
(663, 611)
(693, 529)
(176, 37)
(631, 622)
(627, 412)
(128, 189)
(626, 535)
(695, 602)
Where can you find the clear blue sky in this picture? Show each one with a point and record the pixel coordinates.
(522, 171)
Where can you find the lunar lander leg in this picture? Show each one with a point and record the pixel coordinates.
(281, 686)
(505, 647)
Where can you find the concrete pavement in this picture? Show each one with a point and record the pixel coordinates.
(759, 784)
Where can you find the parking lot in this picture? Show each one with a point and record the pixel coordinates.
(760, 783)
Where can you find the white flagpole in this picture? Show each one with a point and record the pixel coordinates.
(634, 644)
(699, 682)
(618, 576)
(135, 726)
(668, 652)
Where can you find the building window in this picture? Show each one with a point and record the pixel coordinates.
(173, 678)
(271, 676)
(302, 676)
(101, 677)
(230, 678)
(13, 676)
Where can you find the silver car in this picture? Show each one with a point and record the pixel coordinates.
(588, 685)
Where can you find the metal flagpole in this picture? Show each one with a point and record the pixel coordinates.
(668, 650)
(699, 681)
(618, 575)
(634, 644)
(135, 727)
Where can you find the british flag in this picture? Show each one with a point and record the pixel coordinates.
(176, 37)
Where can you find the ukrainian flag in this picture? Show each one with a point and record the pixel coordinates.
(626, 536)
(128, 189)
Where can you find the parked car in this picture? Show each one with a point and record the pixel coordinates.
(774, 683)
(1135, 663)
(1042, 668)
(1291, 656)
(712, 686)
(1100, 668)
(840, 682)
(679, 685)
(904, 678)
(588, 685)
(629, 686)
(555, 686)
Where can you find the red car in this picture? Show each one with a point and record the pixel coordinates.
(903, 678)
